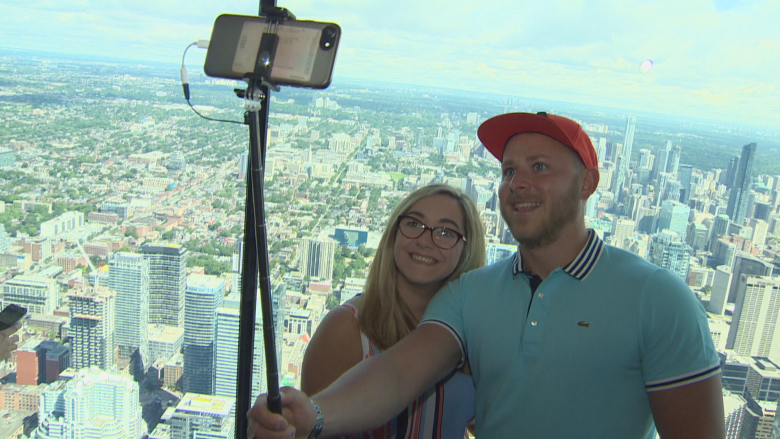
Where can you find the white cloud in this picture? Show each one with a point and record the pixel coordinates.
(711, 58)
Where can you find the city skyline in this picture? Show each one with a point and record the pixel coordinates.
(118, 163)
(715, 59)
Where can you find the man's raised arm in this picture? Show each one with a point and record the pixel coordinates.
(369, 394)
(694, 411)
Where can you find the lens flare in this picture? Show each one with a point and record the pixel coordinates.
(646, 65)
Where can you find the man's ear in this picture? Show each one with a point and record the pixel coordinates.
(590, 182)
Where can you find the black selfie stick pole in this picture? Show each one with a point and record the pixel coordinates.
(255, 255)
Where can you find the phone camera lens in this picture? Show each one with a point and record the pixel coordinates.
(328, 37)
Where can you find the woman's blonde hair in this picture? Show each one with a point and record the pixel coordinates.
(383, 317)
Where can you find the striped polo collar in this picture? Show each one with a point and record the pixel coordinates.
(580, 267)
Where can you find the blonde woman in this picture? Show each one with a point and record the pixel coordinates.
(433, 236)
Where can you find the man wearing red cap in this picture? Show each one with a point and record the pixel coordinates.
(568, 338)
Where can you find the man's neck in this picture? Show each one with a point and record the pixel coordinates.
(543, 260)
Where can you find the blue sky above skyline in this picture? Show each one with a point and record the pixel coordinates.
(717, 59)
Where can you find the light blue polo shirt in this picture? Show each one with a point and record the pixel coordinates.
(599, 335)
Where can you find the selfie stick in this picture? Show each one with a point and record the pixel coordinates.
(255, 255)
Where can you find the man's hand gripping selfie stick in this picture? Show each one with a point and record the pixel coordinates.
(255, 255)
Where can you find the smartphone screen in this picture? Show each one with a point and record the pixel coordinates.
(10, 315)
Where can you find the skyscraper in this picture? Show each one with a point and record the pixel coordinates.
(204, 295)
(645, 158)
(720, 290)
(167, 283)
(674, 160)
(662, 159)
(668, 251)
(227, 344)
(628, 140)
(618, 178)
(128, 276)
(754, 330)
(747, 264)
(622, 228)
(720, 227)
(685, 172)
(316, 258)
(743, 180)
(674, 216)
(92, 328)
(94, 404)
(601, 150)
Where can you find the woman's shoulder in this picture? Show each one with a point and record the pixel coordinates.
(341, 320)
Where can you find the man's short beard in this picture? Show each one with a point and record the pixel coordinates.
(561, 216)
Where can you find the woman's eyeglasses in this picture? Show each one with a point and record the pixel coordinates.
(442, 237)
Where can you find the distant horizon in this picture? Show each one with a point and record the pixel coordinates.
(338, 79)
(716, 59)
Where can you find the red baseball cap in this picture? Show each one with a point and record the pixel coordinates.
(496, 132)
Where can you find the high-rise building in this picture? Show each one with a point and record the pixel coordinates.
(760, 229)
(720, 290)
(674, 160)
(645, 158)
(316, 258)
(727, 178)
(94, 404)
(747, 264)
(601, 150)
(743, 181)
(243, 165)
(164, 342)
(725, 253)
(167, 283)
(420, 133)
(619, 177)
(622, 228)
(628, 140)
(661, 191)
(696, 236)
(668, 251)
(39, 295)
(128, 276)
(720, 228)
(758, 417)
(204, 295)
(92, 328)
(763, 379)
(5, 239)
(592, 205)
(227, 344)
(685, 174)
(674, 216)
(203, 416)
(754, 329)
(733, 407)
(662, 159)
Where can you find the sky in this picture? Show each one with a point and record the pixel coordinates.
(712, 59)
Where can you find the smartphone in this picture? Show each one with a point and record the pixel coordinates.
(10, 315)
(305, 54)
